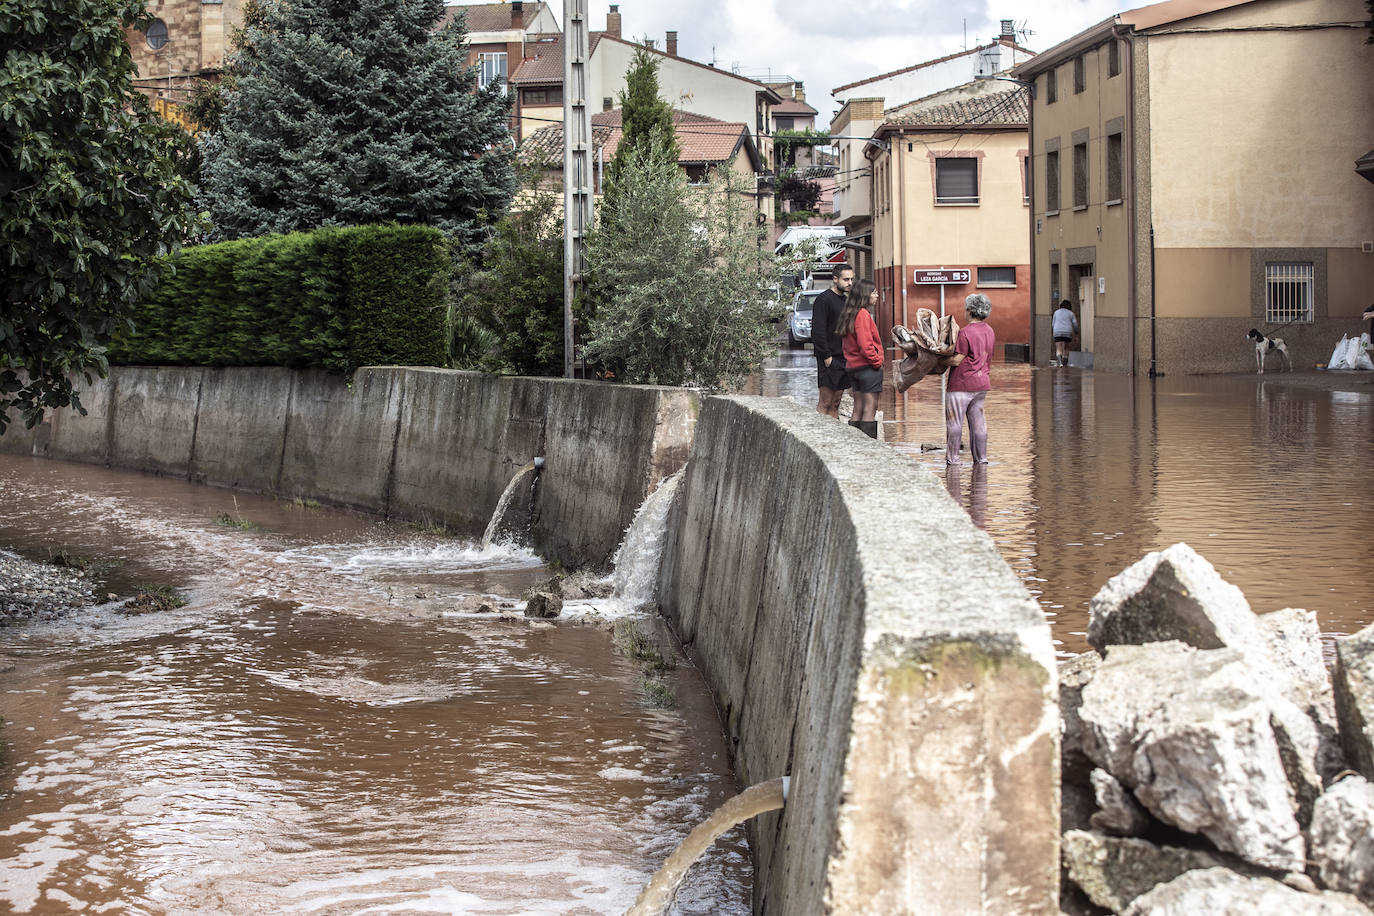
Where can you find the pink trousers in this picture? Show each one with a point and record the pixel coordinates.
(958, 405)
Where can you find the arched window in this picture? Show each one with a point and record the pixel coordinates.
(156, 34)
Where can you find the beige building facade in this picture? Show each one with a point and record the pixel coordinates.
(1194, 168)
(948, 189)
(850, 130)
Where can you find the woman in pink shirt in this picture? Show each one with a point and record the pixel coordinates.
(969, 382)
(863, 354)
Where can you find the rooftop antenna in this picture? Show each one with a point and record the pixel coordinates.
(965, 34)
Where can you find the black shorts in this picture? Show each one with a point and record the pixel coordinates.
(868, 379)
(1063, 339)
(833, 376)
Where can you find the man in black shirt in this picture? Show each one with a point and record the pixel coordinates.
(831, 377)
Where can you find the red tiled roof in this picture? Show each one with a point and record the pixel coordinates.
(964, 107)
(545, 61)
(929, 63)
(793, 107)
(488, 17)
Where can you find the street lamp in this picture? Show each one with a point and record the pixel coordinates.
(1029, 84)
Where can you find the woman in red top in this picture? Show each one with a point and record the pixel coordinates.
(863, 354)
(969, 382)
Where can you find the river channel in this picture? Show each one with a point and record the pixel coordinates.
(321, 729)
(1268, 478)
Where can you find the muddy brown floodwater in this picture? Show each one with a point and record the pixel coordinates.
(1268, 478)
(320, 731)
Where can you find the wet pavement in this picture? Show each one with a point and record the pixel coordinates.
(1265, 476)
(321, 729)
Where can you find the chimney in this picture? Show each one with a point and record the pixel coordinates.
(1008, 30)
(613, 21)
(798, 93)
(672, 43)
(517, 14)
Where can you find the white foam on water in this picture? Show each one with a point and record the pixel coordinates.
(423, 556)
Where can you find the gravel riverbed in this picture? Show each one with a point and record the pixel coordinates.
(40, 591)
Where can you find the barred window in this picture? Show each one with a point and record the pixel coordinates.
(1080, 79)
(1051, 87)
(1113, 58)
(1288, 292)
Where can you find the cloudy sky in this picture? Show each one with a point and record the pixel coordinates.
(828, 44)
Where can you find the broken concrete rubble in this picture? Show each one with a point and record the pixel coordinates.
(1191, 735)
(1220, 891)
(1113, 871)
(1342, 837)
(1118, 814)
(1354, 693)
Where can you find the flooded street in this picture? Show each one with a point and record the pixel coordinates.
(1090, 471)
(322, 729)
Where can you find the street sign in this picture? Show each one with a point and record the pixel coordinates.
(930, 277)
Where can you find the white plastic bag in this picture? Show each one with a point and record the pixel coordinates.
(1362, 360)
(1337, 360)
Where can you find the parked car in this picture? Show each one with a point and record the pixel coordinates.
(799, 318)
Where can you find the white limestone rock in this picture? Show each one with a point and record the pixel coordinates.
(1113, 871)
(1294, 642)
(1119, 814)
(1191, 734)
(1171, 594)
(1354, 692)
(1342, 837)
(1220, 892)
(1074, 674)
(1177, 594)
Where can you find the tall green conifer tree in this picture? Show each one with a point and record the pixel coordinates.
(647, 120)
(358, 111)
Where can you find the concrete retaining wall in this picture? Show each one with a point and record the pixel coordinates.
(428, 445)
(859, 633)
(862, 636)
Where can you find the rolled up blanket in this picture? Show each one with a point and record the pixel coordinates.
(925, 344)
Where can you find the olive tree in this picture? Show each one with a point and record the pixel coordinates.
(678, 279)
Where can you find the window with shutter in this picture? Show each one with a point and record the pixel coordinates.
(956, 181)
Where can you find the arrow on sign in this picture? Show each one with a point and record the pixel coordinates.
(957, 276)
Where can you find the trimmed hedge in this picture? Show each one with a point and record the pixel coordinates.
(331, 299)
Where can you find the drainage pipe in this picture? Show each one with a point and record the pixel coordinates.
(1154, 372)
(657, 897)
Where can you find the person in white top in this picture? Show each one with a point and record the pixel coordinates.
(1064, 326)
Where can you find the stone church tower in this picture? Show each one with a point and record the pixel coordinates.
(185, 42)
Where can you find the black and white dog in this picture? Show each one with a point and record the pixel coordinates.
(1263, 345)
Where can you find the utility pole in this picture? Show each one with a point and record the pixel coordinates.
(577, 164)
